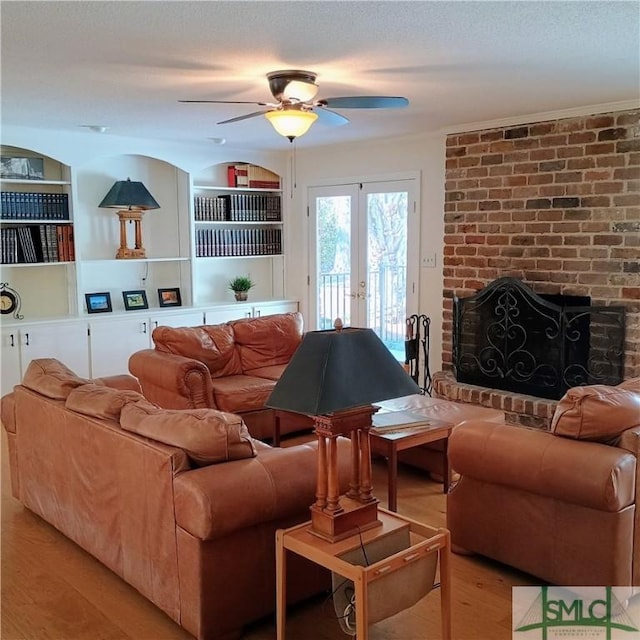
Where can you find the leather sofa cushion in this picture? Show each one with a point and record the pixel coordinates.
(212, 344)
(270, 373)
(599, 413)
(268, 341)
(237, 394)
(207, 436)
(50, 378)
(99, 401)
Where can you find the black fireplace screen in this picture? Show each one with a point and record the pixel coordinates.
(507, 337)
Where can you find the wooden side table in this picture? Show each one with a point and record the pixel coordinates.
(389, 441)
(302, 541)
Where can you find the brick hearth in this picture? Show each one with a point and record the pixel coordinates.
(518, 408)
(555, 204)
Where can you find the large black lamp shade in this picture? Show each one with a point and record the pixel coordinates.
(132, 199)
(336, 370)
(127, 194)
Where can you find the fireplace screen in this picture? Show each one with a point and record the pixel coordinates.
(507, 337)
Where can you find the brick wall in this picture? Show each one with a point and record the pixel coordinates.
(556, 204)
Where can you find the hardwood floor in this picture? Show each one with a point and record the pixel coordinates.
(52, 590)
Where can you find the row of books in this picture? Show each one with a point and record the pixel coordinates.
(248, 175)
(17, 205)
(213, 243)
(238, 207)
(37, 243)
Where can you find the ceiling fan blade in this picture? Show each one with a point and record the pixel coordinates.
(330, 117)
(364, 102)
(260, 104)
(245, 117)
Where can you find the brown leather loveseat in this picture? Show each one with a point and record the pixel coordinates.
(182, 505)
(232, 366)
(560, 505)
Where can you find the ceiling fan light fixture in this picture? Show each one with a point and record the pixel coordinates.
(291, 123)
(300, 90)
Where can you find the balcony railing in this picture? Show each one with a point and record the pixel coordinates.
(386, 303)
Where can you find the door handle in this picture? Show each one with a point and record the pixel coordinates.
(363, 283)
(352, 295)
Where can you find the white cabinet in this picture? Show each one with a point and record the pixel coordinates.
(225, 313)
(114, 339)
(272, 307)
(67, 341)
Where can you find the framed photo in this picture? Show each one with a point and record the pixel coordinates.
(169, 297)
(22, 168)
(98, 302)
(135, 300)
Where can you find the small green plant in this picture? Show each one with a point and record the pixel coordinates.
(241, 283)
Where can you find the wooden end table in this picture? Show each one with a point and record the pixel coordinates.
(410, 430)
(301, 541)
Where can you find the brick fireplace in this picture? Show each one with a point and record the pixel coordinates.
(555, 204)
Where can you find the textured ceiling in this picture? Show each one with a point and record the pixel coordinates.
(125, 65)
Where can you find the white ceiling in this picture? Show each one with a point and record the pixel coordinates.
(125, 65)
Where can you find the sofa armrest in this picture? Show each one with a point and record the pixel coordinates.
(574, 471)
(172, 381)
(8, 412)
(278, 484)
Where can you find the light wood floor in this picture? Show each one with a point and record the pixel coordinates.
(52, 590)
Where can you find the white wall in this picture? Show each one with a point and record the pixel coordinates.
(321, 165)
(357, 162)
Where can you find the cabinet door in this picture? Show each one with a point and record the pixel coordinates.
(67, 342)
(225, 314)
(113, 341)
(11, 371)
(186, 319)
(271, 308)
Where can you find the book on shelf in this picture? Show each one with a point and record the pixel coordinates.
(249, 175)
(33, 243)
(19, 205)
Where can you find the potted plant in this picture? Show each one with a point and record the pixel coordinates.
(240, 286)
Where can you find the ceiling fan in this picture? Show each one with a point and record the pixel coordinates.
(296, 108)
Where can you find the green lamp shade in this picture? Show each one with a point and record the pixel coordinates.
(126, 194)
(336, 370)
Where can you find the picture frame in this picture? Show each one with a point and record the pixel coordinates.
(99, 302)
(135, 299)
(21, 168)
(169, 297)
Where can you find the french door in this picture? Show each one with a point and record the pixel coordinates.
(365, 264)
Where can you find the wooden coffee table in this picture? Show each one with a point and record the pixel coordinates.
(395, 431)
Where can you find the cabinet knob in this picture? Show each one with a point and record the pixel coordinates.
(257, 313)
(26, 339)
(144, 327)
(13, 342)
(248, 314)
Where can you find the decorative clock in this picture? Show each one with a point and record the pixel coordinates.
(10, 301)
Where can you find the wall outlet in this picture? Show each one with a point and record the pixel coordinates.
(429, 261)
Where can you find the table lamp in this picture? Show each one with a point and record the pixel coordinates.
(334, 377)
(133, 199)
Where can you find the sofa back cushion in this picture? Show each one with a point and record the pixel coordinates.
(213, 345)
(207, 436)
(50, 378)
(599, 413)
(267, 341)
(100, 401)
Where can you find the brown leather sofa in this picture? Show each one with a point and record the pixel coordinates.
(183, 505)
(560, 505)
(232, 367)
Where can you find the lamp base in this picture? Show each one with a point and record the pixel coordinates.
(352, 518)
(124, 253)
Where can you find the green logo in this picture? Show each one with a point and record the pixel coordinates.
(573, 613)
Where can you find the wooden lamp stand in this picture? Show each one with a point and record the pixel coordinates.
(135, 216)
(334, 517)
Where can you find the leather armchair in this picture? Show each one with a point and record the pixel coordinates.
(560, 505)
